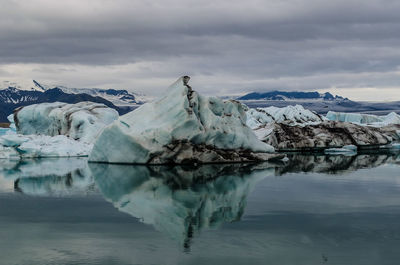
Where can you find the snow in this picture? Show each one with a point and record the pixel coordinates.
(365, 119)
(81, 121)
(262, 120)
(180, 126)
(291, 115)
(36, 146)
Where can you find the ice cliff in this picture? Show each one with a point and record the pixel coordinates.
(181, 127)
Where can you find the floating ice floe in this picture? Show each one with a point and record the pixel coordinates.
(181, 127)
(82, 121)
(36, 146)
(345, 150)
(364, 119)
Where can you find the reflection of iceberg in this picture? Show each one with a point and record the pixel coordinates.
(46, 177)
(179, 201)
(335, 163)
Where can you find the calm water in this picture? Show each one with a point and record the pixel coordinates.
(311, 210)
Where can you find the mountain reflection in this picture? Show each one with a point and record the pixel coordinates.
(180, 201)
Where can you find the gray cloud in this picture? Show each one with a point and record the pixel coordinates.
(238, 46)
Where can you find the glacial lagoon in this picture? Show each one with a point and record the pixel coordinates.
(312, 209)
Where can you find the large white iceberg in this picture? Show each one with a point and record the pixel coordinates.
(55, 130)
(182, 126)
(82, 121)
(364, 119)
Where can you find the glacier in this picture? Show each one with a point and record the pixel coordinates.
(181, 127)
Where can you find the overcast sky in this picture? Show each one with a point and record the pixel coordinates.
(349, 47)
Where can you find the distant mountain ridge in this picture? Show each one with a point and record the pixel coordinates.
(285, 95)
(318, 102)
(13, 97)
(117, 97)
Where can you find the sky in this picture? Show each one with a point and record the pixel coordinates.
(347, 47)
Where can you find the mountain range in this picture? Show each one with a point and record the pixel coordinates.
(13, 97)
(318, 102)
(284, 95)
(117, 97)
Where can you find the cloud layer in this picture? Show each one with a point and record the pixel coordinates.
(229, 47)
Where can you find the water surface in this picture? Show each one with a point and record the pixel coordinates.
(310, 210)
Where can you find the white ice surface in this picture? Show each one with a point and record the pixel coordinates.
(35, 146)
(291, 115)
(364, 119)
(82, 121)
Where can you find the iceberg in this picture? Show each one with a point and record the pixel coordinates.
(294, 128)
(181, 127)
(55, 130)
(365, 119)
(291, 115)
(82, 121)
(328, 134)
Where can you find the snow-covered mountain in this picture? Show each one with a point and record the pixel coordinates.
(318, 102)
(117, 97)
(13, 96)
